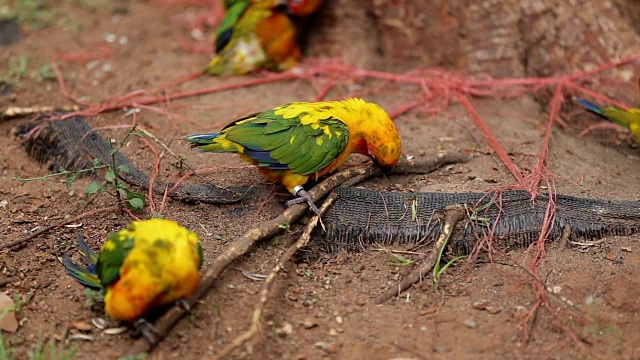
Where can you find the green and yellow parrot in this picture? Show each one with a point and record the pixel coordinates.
(252, 35)
(629, 119)
(150, 264)
(295, 142)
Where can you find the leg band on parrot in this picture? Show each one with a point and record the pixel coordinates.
(146, 329)
(303, 196)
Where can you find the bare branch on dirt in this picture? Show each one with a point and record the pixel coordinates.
(264, 293)
(46, 229)
(453, 215)
(270, 228)
(17, 111)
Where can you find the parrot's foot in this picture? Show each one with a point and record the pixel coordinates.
(303, 196)
(183, 304)
(146, 329)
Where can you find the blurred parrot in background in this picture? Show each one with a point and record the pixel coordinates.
(295, 142)
(302, 7)
(629, 119)
(254, 34)
(149, 264)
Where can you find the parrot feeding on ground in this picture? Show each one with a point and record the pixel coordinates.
(629, 119)
(295, 142)
(149, 264)
(254, 34)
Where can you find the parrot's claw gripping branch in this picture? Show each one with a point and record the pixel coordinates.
(183, 304)
(146, 329)
(302, 196)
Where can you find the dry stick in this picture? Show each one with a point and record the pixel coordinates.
(17, 111)
(266, 288)
(453, 215)
(270, 228)
(48, 228)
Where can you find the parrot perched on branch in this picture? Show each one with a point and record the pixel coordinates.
(149, 264)
(295, 142)
(629, 119)
(254, 34)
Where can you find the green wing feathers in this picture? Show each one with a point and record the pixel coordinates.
(278, 142)
(224, 32)
(112, 256)
(305, 149)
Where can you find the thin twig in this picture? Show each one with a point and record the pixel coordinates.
(453, 215)
(18, 111)
(46, 229)
(266, 288)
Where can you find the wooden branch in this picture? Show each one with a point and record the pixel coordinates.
(16, 111)
(46, 229)
(453, 215)
(264, 294)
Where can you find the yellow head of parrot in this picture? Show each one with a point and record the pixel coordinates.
(381, 136)
(386, 152)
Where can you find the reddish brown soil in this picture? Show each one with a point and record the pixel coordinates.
(322, 305)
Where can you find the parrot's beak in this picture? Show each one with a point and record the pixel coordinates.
(373, 157)
(386, 169)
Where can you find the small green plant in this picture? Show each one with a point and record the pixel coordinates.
(439, 270)
(16, 70)
(51, 350)
(35, 14)
(285, 226)
(112, 185)
(44, 73)
(5, 352)
(19, 302)
(134, 357)
(399, 260)
(484, 221)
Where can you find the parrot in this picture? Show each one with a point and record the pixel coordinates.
(149, 264)
(295, 142)
(254, 34)
(629, 119)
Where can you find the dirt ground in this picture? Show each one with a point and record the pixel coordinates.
(322, 305)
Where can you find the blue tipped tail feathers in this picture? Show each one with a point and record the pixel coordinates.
(84, 275)
(588, 105)
(196, 139)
